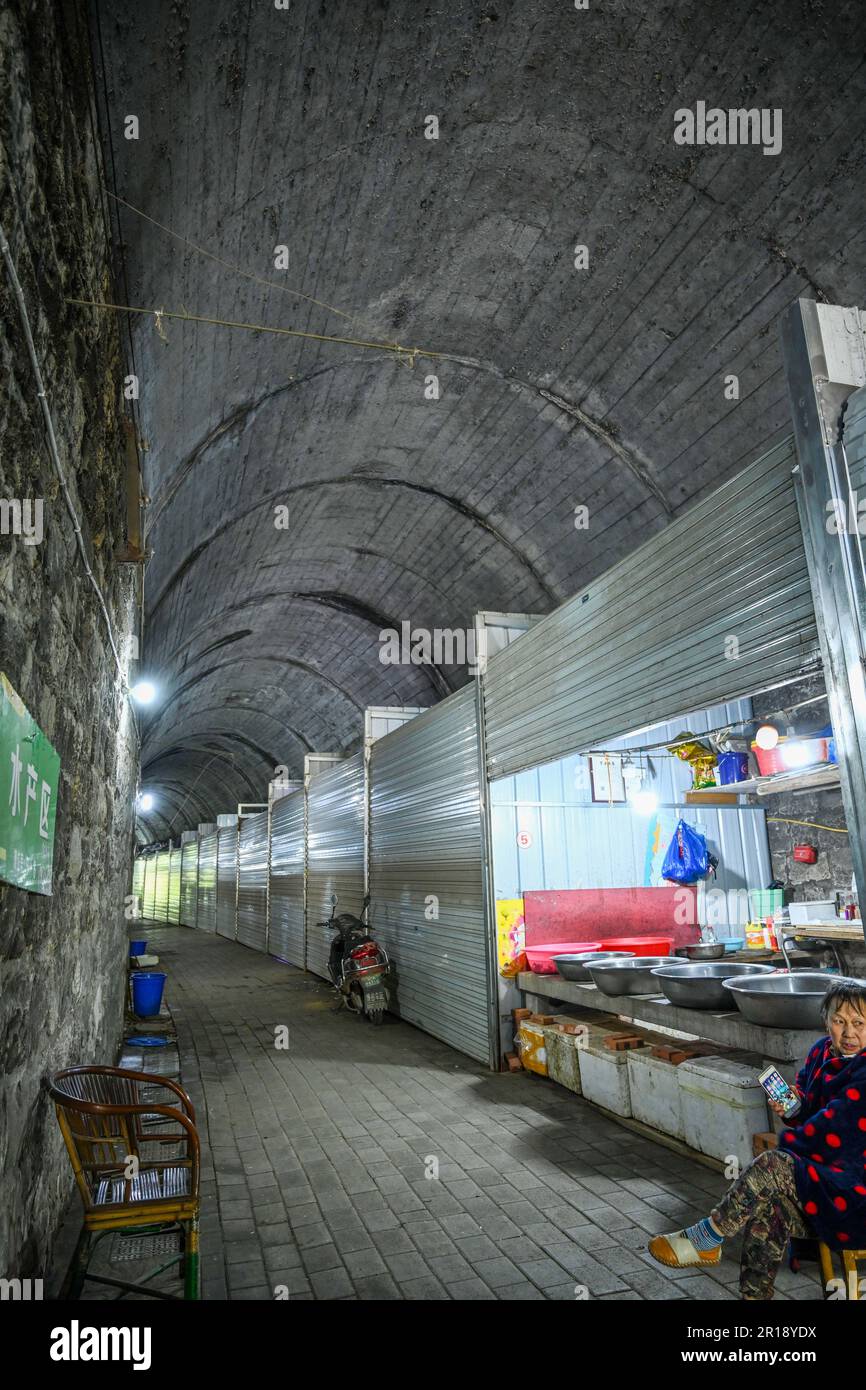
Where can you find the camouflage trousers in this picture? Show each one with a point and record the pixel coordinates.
(763, 1200)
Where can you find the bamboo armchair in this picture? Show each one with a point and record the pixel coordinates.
(134, 1148)
(850, 1269)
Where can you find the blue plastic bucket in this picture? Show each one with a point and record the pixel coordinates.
(733, 767)
(137, 948)
(147, 987)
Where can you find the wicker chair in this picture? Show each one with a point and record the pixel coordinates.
(850, 1259)
(134, 1149)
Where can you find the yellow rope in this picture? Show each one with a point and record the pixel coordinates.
(229, 265)
(403, 354)
(815, 825)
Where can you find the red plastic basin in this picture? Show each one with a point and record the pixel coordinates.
(641, 945)
(540, 957)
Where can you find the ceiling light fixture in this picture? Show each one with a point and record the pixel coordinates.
(143, 692)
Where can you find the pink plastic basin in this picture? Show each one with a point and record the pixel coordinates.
(540, 957)
(641, 945)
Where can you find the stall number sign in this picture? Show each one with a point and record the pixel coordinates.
(524, 839)
(29, 778)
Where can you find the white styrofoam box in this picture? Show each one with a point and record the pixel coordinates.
(604, 1077)
(824, 911)
(655, 1092)
(722, 1104)
(563, 1058)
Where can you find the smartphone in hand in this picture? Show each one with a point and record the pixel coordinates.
(778, 1090)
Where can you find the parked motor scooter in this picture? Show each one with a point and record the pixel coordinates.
(357, 964)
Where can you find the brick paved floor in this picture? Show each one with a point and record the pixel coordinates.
(315, 1158)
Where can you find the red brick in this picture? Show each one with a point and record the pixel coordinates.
(764, 1141)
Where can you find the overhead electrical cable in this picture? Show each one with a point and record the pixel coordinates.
(393, 349)
(53, 451)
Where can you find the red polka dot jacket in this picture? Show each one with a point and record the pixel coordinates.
(828, 1144)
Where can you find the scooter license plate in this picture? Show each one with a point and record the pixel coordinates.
(374, 998)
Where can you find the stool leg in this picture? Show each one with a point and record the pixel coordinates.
(826, 1260)
(851, 1281)
(77, 1272)
(190, 1264)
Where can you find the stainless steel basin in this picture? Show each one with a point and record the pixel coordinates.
(706, 950)
(633, 976)
(573, 967)
(782, 1000)
(700, 985)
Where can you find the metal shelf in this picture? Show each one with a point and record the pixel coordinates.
(823, 776)
(835, 931)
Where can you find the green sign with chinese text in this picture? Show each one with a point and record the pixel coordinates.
(29, 782)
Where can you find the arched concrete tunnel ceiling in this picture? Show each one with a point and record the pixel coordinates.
(560, 386)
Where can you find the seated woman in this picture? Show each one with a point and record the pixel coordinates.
(814, 1183)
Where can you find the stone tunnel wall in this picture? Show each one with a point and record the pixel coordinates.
(62, 970)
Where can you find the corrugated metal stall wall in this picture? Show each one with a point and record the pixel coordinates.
(160, 903)
(426, 857)
(286, 934)
(253, 881)
(717, 606)
(207, 882)
(149, 893)
(335, 852)
(227, 880)
(189, 883)
(138, 883)
(174, 874)
(575, 843)
(854, 439)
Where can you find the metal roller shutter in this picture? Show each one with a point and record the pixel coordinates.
(651, 638)
(160, 902)
(286, 934)
(426, 856)
(174, 873)
(207, 882)
(227, 881)
(335, 852)
(189, 883)
(149, 895)
(253, 881)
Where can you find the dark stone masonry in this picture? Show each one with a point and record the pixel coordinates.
(61, 991)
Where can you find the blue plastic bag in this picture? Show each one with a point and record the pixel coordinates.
(688, 858)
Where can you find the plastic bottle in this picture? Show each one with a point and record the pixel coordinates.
(754, 936)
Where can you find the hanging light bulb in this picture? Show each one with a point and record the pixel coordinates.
(145, 802)
(767, 737)
(143, 692)
(795, 753)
